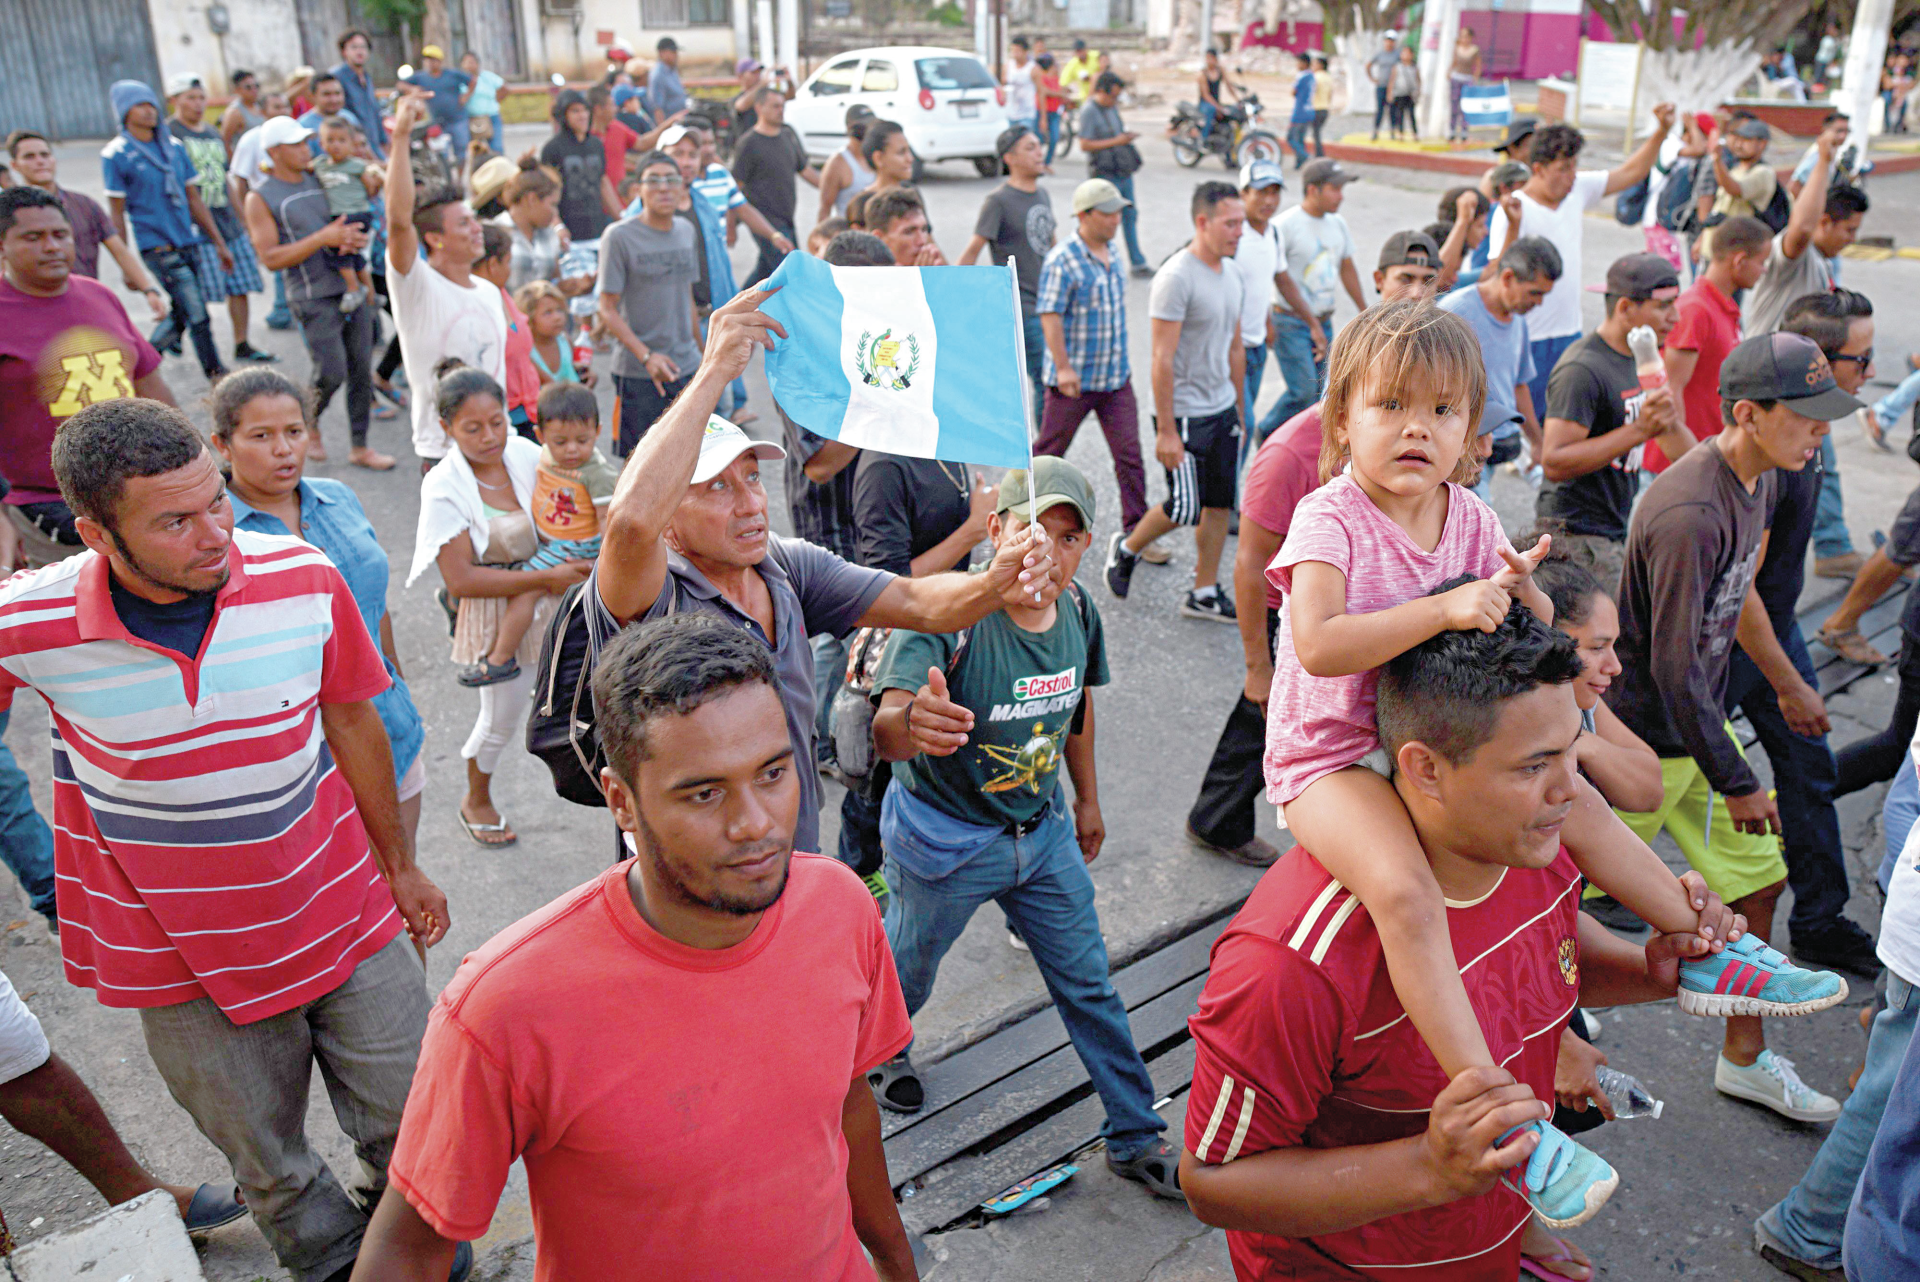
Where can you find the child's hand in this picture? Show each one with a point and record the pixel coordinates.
(1475, 607)
(1719, 924)
(1521, 565)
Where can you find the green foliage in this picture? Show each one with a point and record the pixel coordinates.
(948, 15)
(390, 15)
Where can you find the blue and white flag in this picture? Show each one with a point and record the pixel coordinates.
(929, 362)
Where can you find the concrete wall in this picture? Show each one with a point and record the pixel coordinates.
(258, 40)
(555, 43)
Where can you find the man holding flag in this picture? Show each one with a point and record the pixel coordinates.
(687, 530)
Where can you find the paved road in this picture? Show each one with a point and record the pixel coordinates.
(1175, 680)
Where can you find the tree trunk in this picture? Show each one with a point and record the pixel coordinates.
(1694, 79)
(435, 29)
(1354, 48)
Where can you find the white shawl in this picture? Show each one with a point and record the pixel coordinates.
(450, 501)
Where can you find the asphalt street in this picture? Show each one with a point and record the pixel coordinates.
(1692, 1181)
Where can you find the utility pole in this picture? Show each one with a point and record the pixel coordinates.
(1860, 82)
(1206, 26)
(1439, 29)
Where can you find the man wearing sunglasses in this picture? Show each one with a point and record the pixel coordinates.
(648, 266)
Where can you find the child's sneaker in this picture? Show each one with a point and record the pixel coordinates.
(1749, 978)
(1771, 1080)
(1564, 1182)
(352, 300)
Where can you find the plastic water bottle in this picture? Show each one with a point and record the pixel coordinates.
(1645, 346)
(583, 352)
(1628, 1097)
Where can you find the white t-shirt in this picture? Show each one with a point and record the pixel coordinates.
(1559, 313)
(1258, 258)
(1899, 948)
(437, 319)
(1021, 103)
(249, 158)
(1315, 248)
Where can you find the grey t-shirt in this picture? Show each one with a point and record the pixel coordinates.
(1784, 280)
(813, 591)
(299, 210)
(1019, 225)
(1206, 302)
(653, 272)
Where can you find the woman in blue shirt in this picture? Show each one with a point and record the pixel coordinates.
(483, 96)
(261, 431)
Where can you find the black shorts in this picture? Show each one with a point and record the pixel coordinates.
(1903, 537)
(356, 260)
(1205, 478)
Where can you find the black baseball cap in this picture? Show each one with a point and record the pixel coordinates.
(1326, 169)
(1785, 367)
(858, 112)
(1517, 130)
(1640, 276)
(665, 44)
(1414, 247)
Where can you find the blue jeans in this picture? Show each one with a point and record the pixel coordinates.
(1804, 775)
(1546, 351)
(1041, 882)
(280, 316)
(26, 843)
(1297, 139)
(1305, 376)
(1809, 1222)
(1379, 107)
(1036, 341)
(173, 270)
(1130, 220)
(1256, 375)
(1830, 537)
(1893, 407)
(1052, 133)
(1898, 815)
(1209, 115)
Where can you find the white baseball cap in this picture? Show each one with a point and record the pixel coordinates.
(181, 81)
(722, 443)
(671, 135)
(282, 131)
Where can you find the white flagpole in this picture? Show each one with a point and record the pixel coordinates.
(1026, 394)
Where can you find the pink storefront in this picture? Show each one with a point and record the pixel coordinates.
(1519, 39)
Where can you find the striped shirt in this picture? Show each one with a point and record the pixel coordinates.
(1090, 297)
(1300, 1042)
(719, 190)
(204, 843)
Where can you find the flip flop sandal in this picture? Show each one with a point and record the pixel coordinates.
(1852, 647)
(479, 832)
(897, 1086)
(1543, 1266)
(1157, 1166)
(213, 1205)
(486, 673)
(446, 602)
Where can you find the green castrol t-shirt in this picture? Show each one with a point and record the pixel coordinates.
(1024, 689)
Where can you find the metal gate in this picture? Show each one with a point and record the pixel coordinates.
(490, 32)
(57, 58)
(322, 22)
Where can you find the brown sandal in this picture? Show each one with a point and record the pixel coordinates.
(1852, 647)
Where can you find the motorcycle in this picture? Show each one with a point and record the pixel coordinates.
(1236, 136)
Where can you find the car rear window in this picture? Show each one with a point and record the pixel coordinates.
(952, 73)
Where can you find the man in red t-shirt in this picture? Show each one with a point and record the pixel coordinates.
(1308, 1135)
(678, 1049)
(1709, 326)
(67, 343)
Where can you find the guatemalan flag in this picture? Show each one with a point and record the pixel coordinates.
(929, 362)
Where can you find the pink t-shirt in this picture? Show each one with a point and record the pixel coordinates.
(1317, 725)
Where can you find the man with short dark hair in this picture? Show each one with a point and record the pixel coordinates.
(1111, 155)
(1409, 266)
(899, 218)
(706, 1114)
(765, 159)
(648, 266)
(1553, 206)
(329, 103)
(1696, 540)
(1496, 306)
(665, 94)
(357, 81)
(1320, 1133)
(1599, 419)
(1379, 67)
(1199, 401)
(440, 308)
(249, 888)
(33, 159)
(1707, 326)
(1317, 252)
(240, 275)
(1016, 223)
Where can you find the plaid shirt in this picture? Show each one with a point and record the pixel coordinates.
(1090, 298)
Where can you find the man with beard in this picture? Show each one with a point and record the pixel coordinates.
(227, 819)
(679, 1047)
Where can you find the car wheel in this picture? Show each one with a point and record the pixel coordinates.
(1257, 145)
(987, 166)
(1187, 145)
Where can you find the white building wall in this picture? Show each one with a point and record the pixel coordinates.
(555, 43)
(262, 37)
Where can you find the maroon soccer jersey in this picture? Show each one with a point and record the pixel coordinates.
(1301, 1042)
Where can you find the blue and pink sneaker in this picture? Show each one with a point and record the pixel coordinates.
(1749, 978)
(1565, 1183)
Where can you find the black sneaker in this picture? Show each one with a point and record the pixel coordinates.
(1613, 914)
(1841, 946)
(1209, 603)
(1120, 563)
(248, 352)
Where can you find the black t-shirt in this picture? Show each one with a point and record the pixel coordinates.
(179, 626)
(1018, 225)
(764, 165)
(1596, 387)
(904, 506)
(1783, 572)
(581, 164)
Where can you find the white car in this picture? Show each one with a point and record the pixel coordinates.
(947, 101)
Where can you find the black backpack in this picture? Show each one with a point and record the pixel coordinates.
(1778, 210)
(1675, 209)
(1631, 205)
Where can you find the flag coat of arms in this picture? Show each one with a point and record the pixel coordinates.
(929, 362)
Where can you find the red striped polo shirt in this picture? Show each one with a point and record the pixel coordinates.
(204, 843)
(1302, 1043)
